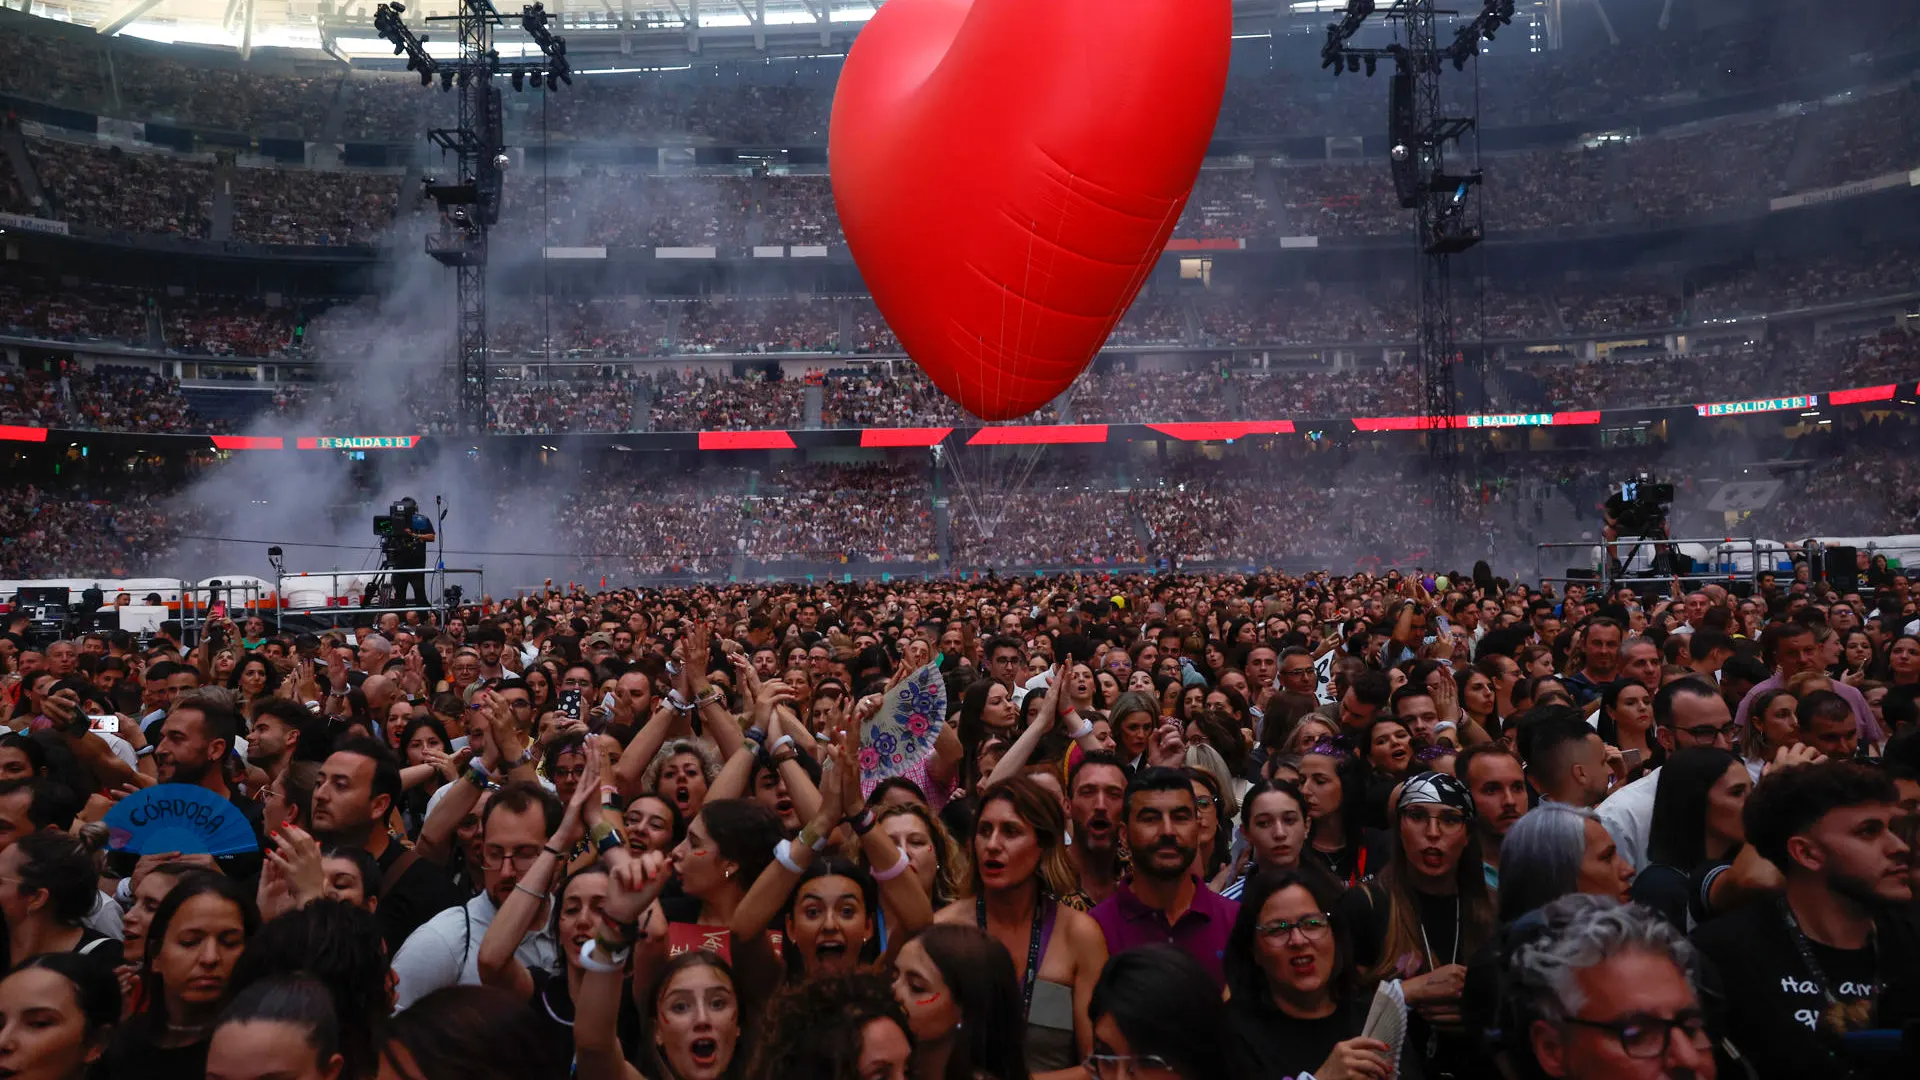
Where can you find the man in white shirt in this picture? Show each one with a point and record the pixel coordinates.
(1686, 712)
(445, 950)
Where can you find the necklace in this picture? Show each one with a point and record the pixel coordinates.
(1454, 958)
(1837, 1012)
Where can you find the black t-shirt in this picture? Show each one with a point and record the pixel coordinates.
(1366, 910)
(1772, 1003)
(132, 1054)
(1274, 1046)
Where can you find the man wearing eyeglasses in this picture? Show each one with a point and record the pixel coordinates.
(445, 951)
(1607, 992)
(1686, 712)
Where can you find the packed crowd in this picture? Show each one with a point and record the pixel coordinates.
(1732, 165)
(114, 533)
(105, 397)
(1176, 827)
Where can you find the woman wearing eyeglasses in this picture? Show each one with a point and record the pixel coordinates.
(1157, 1016)
(1295, 1001)
(1426, 915)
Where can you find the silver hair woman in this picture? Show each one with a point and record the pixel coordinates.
(1554, 850)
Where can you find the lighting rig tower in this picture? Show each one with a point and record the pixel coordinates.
(470, 202)
(1419, 134)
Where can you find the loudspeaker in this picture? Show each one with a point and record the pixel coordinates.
(1405, 160)
(1843, 571)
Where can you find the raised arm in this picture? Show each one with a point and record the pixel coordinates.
(528, 901)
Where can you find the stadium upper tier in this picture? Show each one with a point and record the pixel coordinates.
(1736, 166)
(1278, 88)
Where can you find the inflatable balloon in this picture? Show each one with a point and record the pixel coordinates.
(1007, 173)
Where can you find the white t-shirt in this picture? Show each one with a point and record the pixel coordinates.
(1628, 816)
(445, 951)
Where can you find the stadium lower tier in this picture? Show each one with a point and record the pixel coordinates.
(1297, 502)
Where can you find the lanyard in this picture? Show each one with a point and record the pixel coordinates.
(1819, 977)
(1034, 943)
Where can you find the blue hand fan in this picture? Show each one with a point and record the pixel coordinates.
(184, 818)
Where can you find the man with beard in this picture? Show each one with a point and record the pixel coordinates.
(1095, 789)
(445, 950)
(1164, 902)
(191, 747)
(1838, 952)
(1498, 783)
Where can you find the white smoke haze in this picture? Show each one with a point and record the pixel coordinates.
(386, 361)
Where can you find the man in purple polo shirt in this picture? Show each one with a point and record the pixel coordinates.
(1791, 649)
(1164, 902)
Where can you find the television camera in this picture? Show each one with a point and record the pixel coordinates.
(392, 526)
(1640, 509)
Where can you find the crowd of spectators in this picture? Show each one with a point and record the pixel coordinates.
(226, 326)
(46, 534)
(313, 206)
(125, 191)
(104, 398)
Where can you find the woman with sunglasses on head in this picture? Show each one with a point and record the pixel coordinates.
(1296, 999)
(1021, 871)
(1334, 783)
(1426, 914)
(1157, 1016)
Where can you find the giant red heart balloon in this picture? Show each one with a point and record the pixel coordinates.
(1008, 172)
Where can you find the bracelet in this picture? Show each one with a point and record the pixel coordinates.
(540, 896)
(526, 756)
(1086, 729)
(625, 933)
(477, 776)
(783, 854)
(554, 851)
(612, 965)
(782, 742)
(758, 736)
(678, 703)
(608, 843)
(600, 831)
(862, 823)
(812, 839)
(707, 697)
(893, 871)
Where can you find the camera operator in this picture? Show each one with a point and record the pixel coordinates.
(1636, 509)
(407, 551)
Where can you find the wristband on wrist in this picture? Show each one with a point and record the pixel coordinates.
(608, 794)
(862, 823)
(477, 776)
(783, 742)
(600, 831)
(553, 851)
(894, 871)
(616, 958)
(812, 839)
(753, 732)
(1085, 729)
(608, 843)
(526, 757)
(783, 854)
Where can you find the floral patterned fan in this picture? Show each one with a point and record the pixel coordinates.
(898, 740)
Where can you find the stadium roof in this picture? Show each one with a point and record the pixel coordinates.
(658, 29)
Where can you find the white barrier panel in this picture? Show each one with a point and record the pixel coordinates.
(686, 253)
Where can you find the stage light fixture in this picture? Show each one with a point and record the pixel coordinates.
(519, 80)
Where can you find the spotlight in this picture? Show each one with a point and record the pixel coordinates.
(1399, 152)
(426, 77)
(1353, 64)
(519, 78)
(446, 79)
(501, 161)
(553, 80)
(1370, 65)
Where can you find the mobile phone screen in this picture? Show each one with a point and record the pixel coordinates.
(570, 703)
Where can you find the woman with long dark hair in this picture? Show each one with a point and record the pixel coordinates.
(1334, 783)
(285, 1026)
(1156, 1013)
(1275, 825)
(1698, 860)
(254, 679)
(957, 987)
(1626, 721)
(836, 1027)
(1423, 917)
(192, 944)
